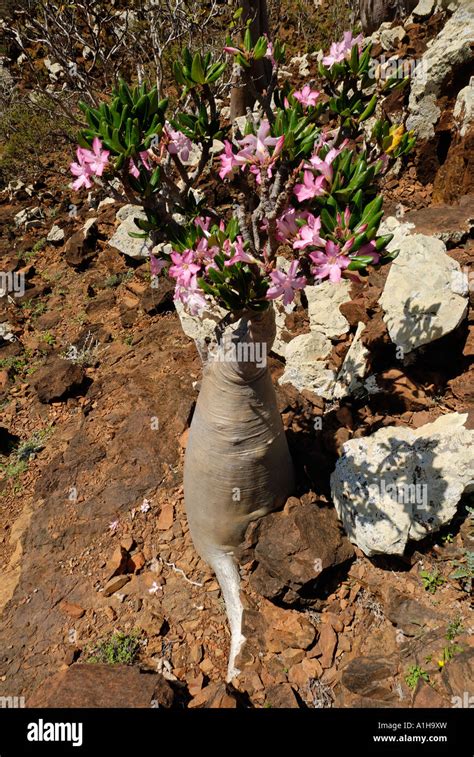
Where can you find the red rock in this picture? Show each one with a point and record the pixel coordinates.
(427, 696)
(286, 628)
(327, 643)
(281, 696)
(117, 564)
(57, 379)
(71, 609)
(136, 562)
(114, 585)
(215, 696)
(3, 380)
(166, 517)
(127, 543)
(103, 686)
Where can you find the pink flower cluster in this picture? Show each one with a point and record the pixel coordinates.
(314, 185)
(330, 258)
(89, 163)
(254, 152)
(340, 51)
(187, 265)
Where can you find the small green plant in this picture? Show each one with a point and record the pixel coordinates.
(447, 539)
(448, 653)
(118, 649)
(80, 318)
(37, 247)
(118, 278)
(414, 673)
(432, 581)
(48, 337)
(455, 628)
(464, 572)
(128, 339)
(13, 469)
(15, 364)
(39, 309)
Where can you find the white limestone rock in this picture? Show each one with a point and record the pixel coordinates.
(400, 483)
(449, 50)
(464, 108)
(56, 235)
(353, 370)
(305, 364)
(132, 246)
(421, 299)
(323, 307)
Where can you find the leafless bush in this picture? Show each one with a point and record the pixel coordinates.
(85, 45)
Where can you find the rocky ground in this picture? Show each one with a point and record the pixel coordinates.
(97, 389)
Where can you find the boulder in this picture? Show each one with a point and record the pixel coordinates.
(450, 223)
(56, 235)
(464, 108)
(103, 686)
(448, 51)
(57, 379)
(354, 367)
(425, 294)
(294, 547)
(306, 367)
(138, 248)
(401, 483)
(324, 301)
(374, 12)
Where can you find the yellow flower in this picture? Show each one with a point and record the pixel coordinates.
(396, 135)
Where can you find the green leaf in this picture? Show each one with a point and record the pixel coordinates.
(197, 70)
(369, 109)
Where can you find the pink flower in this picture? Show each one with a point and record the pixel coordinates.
(306, 96)
(256, 151)
(231, 50)
(191, 296)
(339, 51)
(178, 143)
(329, 263)
(370, 249)
(240, 256)
(89, 163)
(133, 169)
(183, 269)
(97, 158)
(156, 265)
(311, 187)
(203, 222)
(287, 228)
(270, 52)
(286, 284)
(82, 170)
(144, 159)
(309, 234)
(258, 144)
(228, 161)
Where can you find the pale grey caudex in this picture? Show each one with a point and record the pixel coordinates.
(236, 443)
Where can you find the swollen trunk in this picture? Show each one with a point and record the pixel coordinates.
(237, 465)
